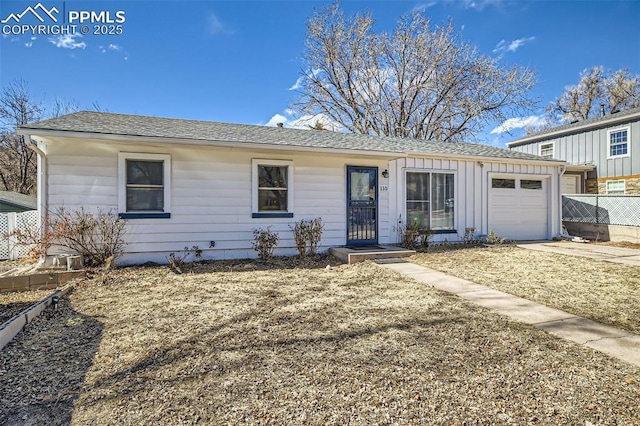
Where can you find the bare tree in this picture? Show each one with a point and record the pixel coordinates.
(19, 107)
(17, 161)
(596, 91)
(419, 82)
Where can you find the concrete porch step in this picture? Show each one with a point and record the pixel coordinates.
(360, 254)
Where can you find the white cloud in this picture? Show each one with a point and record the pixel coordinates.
(305, 122)
(520, 123)
(215, 25)
(481, 4)
(68, 41)
(114, 47)
(504, 46)
(297, 84)
(29, 44)
(278, 118)
(423, 6)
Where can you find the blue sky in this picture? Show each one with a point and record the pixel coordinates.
(236, 61)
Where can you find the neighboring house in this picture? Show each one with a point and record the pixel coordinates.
(184, 183)
(603, 153)
(16, 202)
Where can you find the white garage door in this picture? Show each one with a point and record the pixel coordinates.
(519, 207)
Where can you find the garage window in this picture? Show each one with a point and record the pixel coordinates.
(531, 184)
(430, 200)
(503, 183)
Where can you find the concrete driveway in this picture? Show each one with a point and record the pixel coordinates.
(594, 251)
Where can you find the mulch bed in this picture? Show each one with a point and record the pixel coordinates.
(13, 303)
(288, 343)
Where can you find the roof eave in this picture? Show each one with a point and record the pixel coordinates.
(26, 131)
(589, 126)
(489, 158)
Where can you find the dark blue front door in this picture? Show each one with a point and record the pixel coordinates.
(362, 206)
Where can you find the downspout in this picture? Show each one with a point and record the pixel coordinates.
(41, 185)
(563, 231)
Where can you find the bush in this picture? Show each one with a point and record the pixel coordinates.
(492, 238)
(264, 242)
(98, 237)
(177, 262)
(307, 233)
(413, 235)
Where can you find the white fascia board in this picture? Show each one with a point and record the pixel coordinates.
(487, 159)
(163, 141)
(577, 129)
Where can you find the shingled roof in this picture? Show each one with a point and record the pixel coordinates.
(19, 200)
(166, 129)
(581, 126)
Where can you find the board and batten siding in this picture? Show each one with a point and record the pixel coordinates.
(210, 196)
(591, 147)
(472, 180)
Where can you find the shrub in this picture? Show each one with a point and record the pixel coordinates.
(264, 242)
(492, 238)
(470, 236)
(177, 262)
(307, 233)
(413, 235)
(98, 237)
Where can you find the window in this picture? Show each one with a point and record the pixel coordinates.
(618, 142)
(530, 184)
(503, 183)
(430, 200)
(615, 187)
(546, 150)
(272, 188)
(144, 182)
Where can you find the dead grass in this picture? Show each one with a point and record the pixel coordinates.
(603, 291)
(240, 343)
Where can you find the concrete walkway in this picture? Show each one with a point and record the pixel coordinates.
(612, 341)
(625, 256)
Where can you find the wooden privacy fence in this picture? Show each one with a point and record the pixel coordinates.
(9, 222)
(623, 210)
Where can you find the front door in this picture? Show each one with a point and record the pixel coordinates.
(362, 206)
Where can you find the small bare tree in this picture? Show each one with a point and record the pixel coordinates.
(17, 160)
(595, 91)
(420, 81)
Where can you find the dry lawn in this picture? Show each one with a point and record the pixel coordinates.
(240, 343)
(603, 291)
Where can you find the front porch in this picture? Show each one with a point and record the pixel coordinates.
(360, 254)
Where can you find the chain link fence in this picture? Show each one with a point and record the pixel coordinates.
(9, 222)
(621, 210)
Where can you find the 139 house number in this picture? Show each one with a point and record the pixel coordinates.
(384, 188)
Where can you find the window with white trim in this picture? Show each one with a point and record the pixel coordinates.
(618, 142)
(144, 182)
(430, 200)
(615, 187)
(546, 150)
(272, 188)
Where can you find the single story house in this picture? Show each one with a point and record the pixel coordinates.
(14, 202)
(603, 152)
(184, 183)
